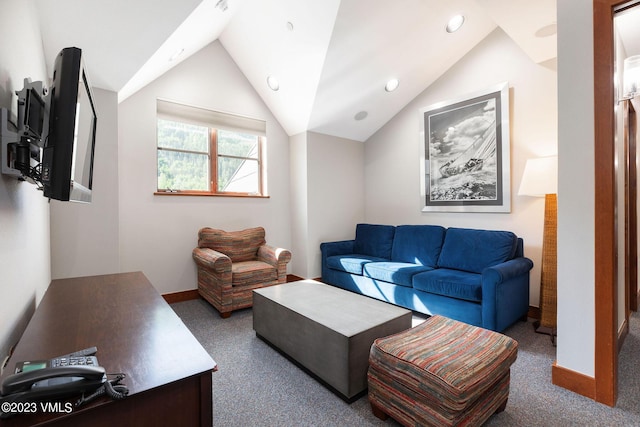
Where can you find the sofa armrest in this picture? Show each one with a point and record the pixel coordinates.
(212, 260)
(507, 270)
(505, 293)
(328, 249)
(342, 247)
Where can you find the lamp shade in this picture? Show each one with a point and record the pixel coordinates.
(540, 177)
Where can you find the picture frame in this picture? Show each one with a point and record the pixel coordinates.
(465, 153)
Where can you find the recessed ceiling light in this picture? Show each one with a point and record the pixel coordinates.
(547, 31)
(361, 115)
(392, 85)
(222, 5)
(455, 23)
(273, 83)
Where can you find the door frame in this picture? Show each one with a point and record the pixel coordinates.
(631, 210)
(606, 324)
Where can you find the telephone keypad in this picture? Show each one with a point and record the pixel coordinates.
(74, 360)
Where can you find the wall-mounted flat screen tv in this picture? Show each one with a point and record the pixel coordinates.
(67, 156)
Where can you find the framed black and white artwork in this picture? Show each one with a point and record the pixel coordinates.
(465, 161)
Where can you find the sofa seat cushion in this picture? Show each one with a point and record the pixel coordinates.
(474, 250)
(399, 273)
(245, 273)
(351, 263)
(451, 283)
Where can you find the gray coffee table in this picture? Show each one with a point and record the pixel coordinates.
(326, 330)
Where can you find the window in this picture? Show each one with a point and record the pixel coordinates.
(209, 153)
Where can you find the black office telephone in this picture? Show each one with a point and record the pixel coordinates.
(61, 377)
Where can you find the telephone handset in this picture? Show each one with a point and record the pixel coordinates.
(54, 378)
(58, 378)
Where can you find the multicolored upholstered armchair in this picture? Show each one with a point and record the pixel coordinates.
(232, 264)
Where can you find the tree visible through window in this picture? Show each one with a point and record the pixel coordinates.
(183, 156)
(238, 162)
(193, 158)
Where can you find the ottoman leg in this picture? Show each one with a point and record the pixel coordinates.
(379, 413)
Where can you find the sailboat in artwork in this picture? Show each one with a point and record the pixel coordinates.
(472, 159)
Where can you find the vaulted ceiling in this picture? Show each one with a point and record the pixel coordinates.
(332, 58)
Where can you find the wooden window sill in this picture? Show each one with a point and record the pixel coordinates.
(207, 194)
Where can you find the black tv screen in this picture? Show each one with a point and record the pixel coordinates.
(67, 156)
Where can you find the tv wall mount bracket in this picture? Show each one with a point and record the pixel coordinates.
(20, 148)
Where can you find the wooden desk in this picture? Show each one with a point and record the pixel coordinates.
(137, 333)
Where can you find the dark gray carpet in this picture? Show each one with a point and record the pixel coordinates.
(256, 386)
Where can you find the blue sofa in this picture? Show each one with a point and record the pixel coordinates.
(480, 277)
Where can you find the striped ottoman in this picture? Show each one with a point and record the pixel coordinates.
(440, 373)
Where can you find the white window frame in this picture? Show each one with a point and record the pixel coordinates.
(214, 121)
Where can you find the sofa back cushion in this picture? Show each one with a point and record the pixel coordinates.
(418, 244)
(238, 245)
(374, 240)
(474, 250)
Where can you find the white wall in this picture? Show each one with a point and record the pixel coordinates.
(84, 237)
(336, 197)
(158, 233)
(327, 198)
(392, 155)
(576, 205)
(25, 269)
(299, 204)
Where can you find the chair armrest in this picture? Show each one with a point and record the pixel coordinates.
(273, 256)
(213, 260)
(341, 247)
(277, 257)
